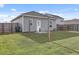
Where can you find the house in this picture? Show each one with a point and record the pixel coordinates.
(70, 25)
(37, 22)
(72, 21)
(73, 24)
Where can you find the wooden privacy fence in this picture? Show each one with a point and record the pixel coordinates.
(68, 27)
(8, 27)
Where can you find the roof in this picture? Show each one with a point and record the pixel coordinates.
(55, 16)
(33, 13)
(73, 21)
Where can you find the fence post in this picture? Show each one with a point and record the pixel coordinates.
(2, 27)
(77, 27)
(11, 27)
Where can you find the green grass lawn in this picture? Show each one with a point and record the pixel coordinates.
(38, 44)
(72, 43)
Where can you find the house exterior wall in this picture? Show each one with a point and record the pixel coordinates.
(44, 25)
(29, 27)
(59, 21)
(33, 27)
(53, 25)
(24, 23)
(19, 21)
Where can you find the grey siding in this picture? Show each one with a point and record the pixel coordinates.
(44, 25)
(53, 25)
(33, 27)
(19, 21)
(27, 26)
(59, 21)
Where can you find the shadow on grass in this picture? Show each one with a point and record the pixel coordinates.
(8, 33)
(43, 37)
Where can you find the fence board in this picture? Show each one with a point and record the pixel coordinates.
(7, 27)
(68, 27)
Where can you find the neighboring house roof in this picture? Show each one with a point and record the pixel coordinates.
(33, 13)
(73, 21)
